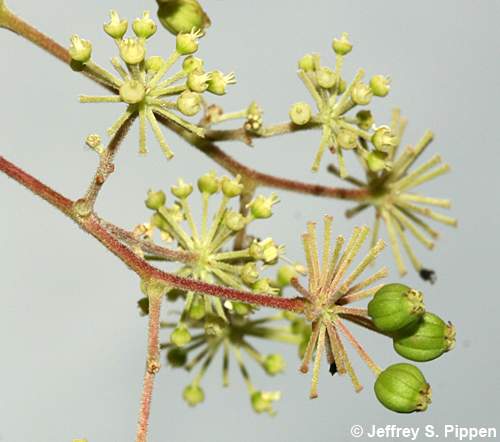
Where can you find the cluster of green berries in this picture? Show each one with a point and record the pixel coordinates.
(420, 336)
(141, 85)
(334, 98)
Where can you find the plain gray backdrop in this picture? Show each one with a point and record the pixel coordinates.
(72, 342)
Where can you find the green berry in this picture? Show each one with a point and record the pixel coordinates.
(395, 306)
(380, 85)
(144, 27)
(342, 46)
(193, 395)
(426, 340)
(177, 357)
(80, 49)
(403, 388)
(189, 103)
(300, 113)
(116, 27)
(155, 200)
(182, 15)
(180, 336)
(274, 364)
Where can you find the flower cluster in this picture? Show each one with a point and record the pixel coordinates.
(231, 337)
(334, 99)
(395, 310)
(142, 85)
(391, 194)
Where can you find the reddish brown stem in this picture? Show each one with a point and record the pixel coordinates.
(92, 225)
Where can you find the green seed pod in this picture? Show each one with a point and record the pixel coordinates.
(144, 27)
(155, 200)
(180, 336)
(361, 94)
(182, 190)
(116, 27)
(300, 113)
(191, 64)
(208, 183)
(193, 395)
(395, 306)
(380, 85)
(132, 51)
(403, 388)
(326, 78)
(182, 15)
(177, 357)
(132, 92)
(189, 103)
(342, 46)
(426, 340)
(274, 364)
(384, 140)
(80, 49)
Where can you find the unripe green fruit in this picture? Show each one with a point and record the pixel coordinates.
(197, 310)
(403, 388)
(208, 183)
(274, 364)
(191, 64)
(193, 395)
(180, 336)
(116, 27)
(231, 188)
(186, 44)
(426, 340)
(132, 51)
(177, 357)
(155, 200)
(300, 113)
(144, 27)
(376, 161)
(380, 85)
(342, 46)
(182, 190)
(395, 306)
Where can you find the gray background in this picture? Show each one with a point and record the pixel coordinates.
(71, 338)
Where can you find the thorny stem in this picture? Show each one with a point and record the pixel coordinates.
(152, 366)
(91, 224)
(204, 145)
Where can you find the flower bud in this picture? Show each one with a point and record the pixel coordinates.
(116, 27)
(342, 86)
(80, 50)
(155, 200)
(144, 27)
(394, 306)
(274, 364)
(403, 388)
(193, 395)
(262, 401)
(182, 15)
(249, 273)
(425, 340)
(326, 78)
(234, 221)
(254, 117)
(191, 64)
(154, 64)
(342, 46)
(231, 188)
(197, 81)
(364, 119)
(261, 206)
(384, 140)
(380, 85)
(347, 139)
(189, 103)
(182, 190)
(197, 310)
(308, 62)
(132, 51)
(218, 82)
(94, 142)
(208, 183)
(300, 113)
(187, 43)
(180, 336)
(159, 222)
(177, 357)
(132, 92)
(361, 94)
